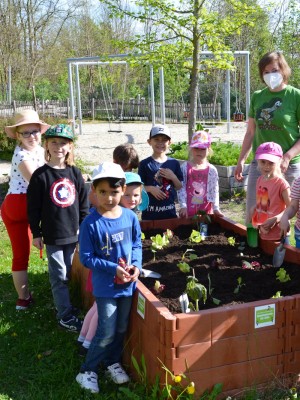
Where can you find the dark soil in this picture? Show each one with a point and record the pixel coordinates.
(222, 262)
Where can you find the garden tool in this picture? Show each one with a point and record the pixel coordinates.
(279, 254)
(146, 273)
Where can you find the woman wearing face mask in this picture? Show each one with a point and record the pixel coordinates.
(273, 117)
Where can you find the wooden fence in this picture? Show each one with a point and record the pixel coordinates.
(115, 110)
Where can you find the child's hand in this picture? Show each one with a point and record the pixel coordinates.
(134, 272)
(157, 193)
(284, 226)
(38, 243)
(183, 213)
(167, 173)
(268, 225)
(123, 274)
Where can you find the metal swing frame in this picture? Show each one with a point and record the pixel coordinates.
(76, 62)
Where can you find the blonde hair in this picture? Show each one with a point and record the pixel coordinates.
(69, 159)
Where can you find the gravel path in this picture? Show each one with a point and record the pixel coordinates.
(96, 144)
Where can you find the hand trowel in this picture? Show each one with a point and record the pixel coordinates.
(279, 254)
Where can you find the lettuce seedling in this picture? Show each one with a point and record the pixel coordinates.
(195, 237)
(184, 267)
(282, 276)
(231, 241)
(158, 243)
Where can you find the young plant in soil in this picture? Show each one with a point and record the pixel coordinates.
(210, 290)
(282, 276)
(240, 284)
(196, 291)
(159, 242)
(195, 237)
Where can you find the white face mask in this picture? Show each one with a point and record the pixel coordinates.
(273, 80)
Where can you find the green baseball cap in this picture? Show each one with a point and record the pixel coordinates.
(60, 130)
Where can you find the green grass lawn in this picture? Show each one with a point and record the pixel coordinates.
(39, 360)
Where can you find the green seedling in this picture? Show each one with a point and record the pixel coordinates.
(196, 291)
(210, 290)
(190, 256)
(239, 285)
(282, 276)
(195, 237)
(158, 243)
(277, 295)
(231, 241)
(184, 267)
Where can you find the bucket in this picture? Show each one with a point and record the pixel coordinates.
(252, 236)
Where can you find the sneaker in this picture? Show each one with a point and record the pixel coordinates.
(117, 374)
(71, 323)
(88, 380)
(23, 304)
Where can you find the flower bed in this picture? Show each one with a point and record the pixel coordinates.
(238, 345)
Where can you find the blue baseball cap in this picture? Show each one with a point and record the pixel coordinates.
(133, 178)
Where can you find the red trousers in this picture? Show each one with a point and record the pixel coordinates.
(14, 216)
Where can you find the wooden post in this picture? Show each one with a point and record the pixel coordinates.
(93, 108)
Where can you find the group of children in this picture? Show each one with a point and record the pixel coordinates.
(61, 212)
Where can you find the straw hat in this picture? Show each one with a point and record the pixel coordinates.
(25, 117)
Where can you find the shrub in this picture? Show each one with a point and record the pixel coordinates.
(223, 153)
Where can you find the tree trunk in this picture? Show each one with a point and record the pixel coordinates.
(195, 71)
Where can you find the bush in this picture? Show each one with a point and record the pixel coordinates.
(223, 153)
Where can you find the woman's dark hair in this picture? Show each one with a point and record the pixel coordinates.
(113, 182)
(279, 58)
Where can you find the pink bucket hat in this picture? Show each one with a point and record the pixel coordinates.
(201, 140)
(25, 117)
(269, 151)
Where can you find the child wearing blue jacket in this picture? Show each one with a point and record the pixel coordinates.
(110, 245)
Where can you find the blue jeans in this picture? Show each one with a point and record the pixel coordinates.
(291, 174)
(297, 237)
(107, 345)
(59, 265)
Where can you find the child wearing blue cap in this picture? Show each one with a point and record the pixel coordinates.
(135, 196)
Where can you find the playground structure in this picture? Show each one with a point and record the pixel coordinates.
(119, 59)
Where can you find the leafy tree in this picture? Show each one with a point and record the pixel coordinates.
(178, 33)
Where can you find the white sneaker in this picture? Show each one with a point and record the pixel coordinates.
(117, 374)
(88, 380)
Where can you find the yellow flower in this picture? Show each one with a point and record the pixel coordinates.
(191, 388)
(14, 334)
(177, 378)
(39, 356)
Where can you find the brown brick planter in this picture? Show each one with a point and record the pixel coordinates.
(221, 345)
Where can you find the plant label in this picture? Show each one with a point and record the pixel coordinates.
(141, 305)
(184, 302)
(264, 316)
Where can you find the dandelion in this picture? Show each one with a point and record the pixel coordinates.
(177, 378)
(191, 388)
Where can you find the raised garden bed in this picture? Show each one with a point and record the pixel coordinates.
(238, 345)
